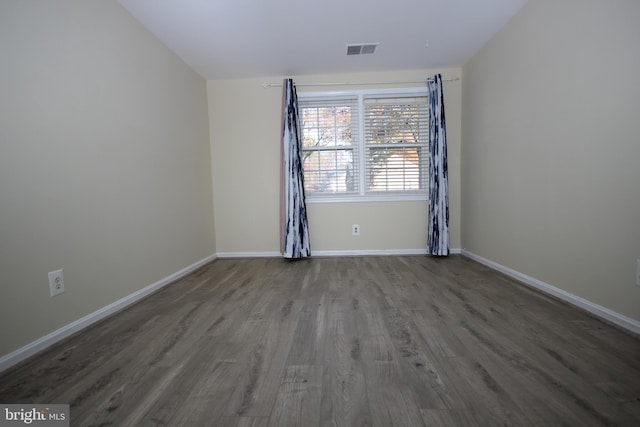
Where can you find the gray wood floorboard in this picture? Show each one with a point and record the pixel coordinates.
(353, 341)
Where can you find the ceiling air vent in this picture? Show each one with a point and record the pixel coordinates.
(361, 49)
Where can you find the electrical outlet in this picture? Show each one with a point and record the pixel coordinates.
(355, 229)
(638, 273)
(56, 282)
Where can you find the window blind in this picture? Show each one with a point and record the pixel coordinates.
(396, 143)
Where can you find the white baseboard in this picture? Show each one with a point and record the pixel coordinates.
(375, 252)
(378, 252)
(604, 313)
(359, 252)
(248, 254)
(42, 343)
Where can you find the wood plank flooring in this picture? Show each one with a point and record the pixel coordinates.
(353, 341)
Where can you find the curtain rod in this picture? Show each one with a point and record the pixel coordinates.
(268, 85)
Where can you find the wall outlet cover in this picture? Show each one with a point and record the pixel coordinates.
(56, 282)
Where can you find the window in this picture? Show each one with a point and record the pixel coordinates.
(365, 145)
(329, 135)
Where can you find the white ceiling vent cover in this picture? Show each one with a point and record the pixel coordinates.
(361, 49)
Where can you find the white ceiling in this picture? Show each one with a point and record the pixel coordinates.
(257, 38)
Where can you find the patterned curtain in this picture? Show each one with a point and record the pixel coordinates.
(295, 229)
(438, 231)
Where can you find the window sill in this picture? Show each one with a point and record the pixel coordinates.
(356, 198)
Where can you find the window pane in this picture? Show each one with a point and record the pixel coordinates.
(343, 135)
(329, 171)
(328, 126)
(329, 130)
(309, 136)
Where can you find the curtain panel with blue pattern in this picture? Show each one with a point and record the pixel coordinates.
(295, 228)
(438, 228)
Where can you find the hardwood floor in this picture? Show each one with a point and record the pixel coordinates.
(382, 341)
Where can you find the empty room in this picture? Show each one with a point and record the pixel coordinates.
(253, 213)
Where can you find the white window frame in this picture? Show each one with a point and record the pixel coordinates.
(361, 195)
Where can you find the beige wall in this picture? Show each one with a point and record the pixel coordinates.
(551, 148)
(104, 162)
(245, 145)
